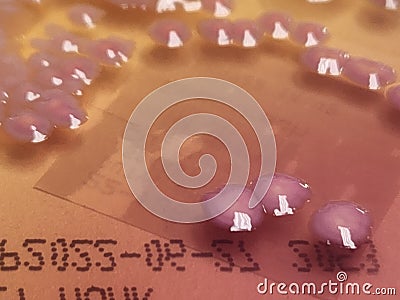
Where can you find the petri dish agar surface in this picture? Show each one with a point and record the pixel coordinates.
(324, 73)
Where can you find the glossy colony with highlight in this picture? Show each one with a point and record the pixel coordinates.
(239, 217)
(170, 33)
(85, 15)
(341, 223)
(285, 195)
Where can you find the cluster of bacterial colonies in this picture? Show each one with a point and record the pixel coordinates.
(360, 71)
(363, 72)
(280, 197)
(220, 8)
(42, 92)
(249, 33)
(245, 33)
(338, 223)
